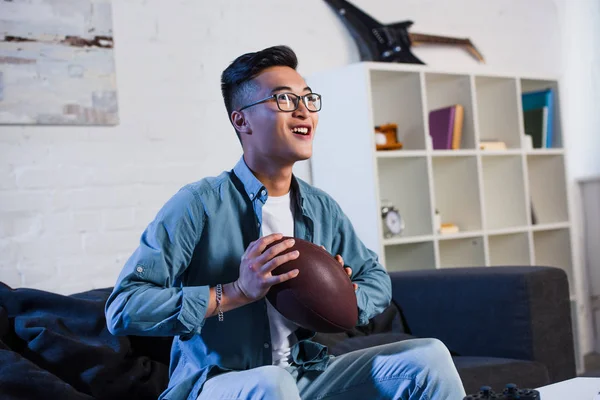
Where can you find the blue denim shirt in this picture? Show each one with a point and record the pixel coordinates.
(196, 241)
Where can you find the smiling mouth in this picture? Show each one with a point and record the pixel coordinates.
(301, 131)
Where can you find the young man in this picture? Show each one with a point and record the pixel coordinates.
(201, 271)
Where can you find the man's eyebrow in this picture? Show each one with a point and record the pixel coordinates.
(279, 88)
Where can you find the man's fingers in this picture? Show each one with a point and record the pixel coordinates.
(275, 279)
(257, 247)
(264, 241)
(277, 261)
(270, 253)
(348, 271)
(355, 286)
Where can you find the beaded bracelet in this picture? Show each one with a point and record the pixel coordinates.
(219, 290)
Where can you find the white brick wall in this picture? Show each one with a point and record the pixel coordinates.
(74, 200)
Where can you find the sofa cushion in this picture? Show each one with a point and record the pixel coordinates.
(521, 313)
(497, 372)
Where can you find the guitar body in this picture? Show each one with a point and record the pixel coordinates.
(375, 41)
(391, 42)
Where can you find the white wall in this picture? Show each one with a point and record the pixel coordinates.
(581, 102)
(74, 200)
(581, 85)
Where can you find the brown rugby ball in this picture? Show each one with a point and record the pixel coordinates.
(321, 298)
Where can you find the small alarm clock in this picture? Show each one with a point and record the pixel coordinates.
(393, 223)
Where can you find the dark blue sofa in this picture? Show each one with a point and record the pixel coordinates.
(501, 324)
(506, 324)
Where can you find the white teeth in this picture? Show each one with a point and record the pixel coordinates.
(303, 131)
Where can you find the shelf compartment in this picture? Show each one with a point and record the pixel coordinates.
(466, 252)
(457, 192)
(497, 110)
(504, 192)
(411, 256)
(553, 248)
(533, 85)
(403, 183)
(547, 183)
(444, 90)
(396, 98)
(512, 249)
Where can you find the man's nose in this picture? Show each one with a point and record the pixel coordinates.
(301, 111)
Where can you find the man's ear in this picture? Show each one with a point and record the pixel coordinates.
(240, 122)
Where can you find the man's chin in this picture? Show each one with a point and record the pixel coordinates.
(304, 156)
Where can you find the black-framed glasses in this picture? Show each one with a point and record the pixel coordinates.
(288, 102)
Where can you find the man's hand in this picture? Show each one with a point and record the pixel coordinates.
(347, 269)
(257, 264)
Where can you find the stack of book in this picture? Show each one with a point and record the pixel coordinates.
(492, 144)
(445, 127)
(538, 111)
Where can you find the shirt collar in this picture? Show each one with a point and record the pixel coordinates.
(296, 193)
(251, 184)
(254, 187)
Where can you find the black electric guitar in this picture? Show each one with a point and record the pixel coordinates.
(391, 42)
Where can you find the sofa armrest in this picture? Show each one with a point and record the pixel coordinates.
(511, 312)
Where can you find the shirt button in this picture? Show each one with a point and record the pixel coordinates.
(264, 192)
(258, 224)
(139, 269)
(266, 345)
(251, 195)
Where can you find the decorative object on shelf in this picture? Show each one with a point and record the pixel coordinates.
(386, 137)
(390, 42)
(57, 63)
(393, 223)
(492, 145)
(449, 227)
(538, 110)
(445, 127)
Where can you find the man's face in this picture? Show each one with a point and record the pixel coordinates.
(275, 136)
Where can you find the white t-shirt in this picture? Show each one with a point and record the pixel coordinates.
(277, 217)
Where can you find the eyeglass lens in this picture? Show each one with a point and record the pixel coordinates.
(289, 101)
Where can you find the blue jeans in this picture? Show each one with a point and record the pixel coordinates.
(412, 369)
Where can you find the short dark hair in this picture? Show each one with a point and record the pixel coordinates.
(236, 80)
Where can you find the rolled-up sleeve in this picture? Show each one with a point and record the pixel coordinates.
(374, 292)
(147, 299)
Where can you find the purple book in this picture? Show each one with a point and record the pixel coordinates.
(441, 127)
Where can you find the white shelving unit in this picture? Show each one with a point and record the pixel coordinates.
(491, 196)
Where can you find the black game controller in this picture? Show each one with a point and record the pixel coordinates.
(510, 392)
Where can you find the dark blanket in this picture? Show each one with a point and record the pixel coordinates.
(58, 347)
